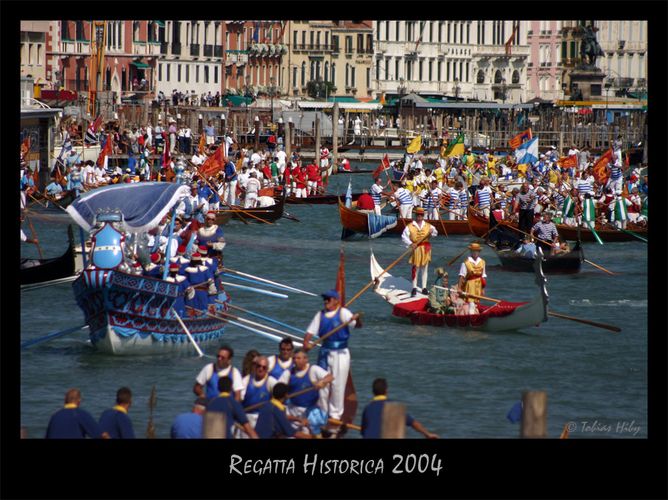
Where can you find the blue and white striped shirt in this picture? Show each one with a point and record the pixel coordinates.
(584, 187)
(454, 199)
(376, 192)
(404, 197)
(615, 172)
(484, 197)
(463, 198)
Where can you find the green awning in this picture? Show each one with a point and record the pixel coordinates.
(236, 100)
(342, 99)
(139, 65)
(160, 23)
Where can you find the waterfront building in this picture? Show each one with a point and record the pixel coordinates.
(544, 69)
(625, 63)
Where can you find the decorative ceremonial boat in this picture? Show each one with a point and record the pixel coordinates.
(355, 221)
(498, 317)
(128, 313)
(480, 225)
(42, 270)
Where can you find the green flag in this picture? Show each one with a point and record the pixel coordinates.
(455, 147)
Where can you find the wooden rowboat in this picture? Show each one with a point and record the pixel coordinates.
(567, 263)
(43, 270)
(355, 221)
(501, 316)
(480, 225)
(267, 214)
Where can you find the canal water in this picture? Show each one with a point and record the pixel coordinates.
(458, 383)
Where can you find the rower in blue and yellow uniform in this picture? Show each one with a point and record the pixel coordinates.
(223, 402)
(206, 383)
(334, 355)
(257, 388)
(115, 421)
(72, 422)
(281, 363)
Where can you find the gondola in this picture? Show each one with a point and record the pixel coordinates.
(354, 221)
(498, 317)
(480, 225)
(49, 201)
(266, 214)
(567, 263)
(42, 270)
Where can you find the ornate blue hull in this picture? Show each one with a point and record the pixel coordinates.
(129, 314)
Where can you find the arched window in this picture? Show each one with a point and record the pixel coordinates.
(326, 71)
(481, 77)
(497, 76)
(516, 77)
(333, 79)
(303, 74)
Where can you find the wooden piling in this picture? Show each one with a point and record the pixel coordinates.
(316, 146)
(214, 425)
(335, 138)
(288, 142)
(393, 424)
(534, 414)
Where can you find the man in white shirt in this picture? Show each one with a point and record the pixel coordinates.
(206, 383)
(253, 187)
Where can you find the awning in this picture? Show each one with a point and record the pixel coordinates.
(237, 100)
(139, 65)
(342, 99)
(160, 23)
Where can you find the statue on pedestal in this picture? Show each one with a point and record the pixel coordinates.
(589, 47)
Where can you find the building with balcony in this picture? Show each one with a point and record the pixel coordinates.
(337, 52)
(625, 63)
(253, 56)
(191, 58)
(33, 50)
(461, 59)
(129, 55)
(544, 69)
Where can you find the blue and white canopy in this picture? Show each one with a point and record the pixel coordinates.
(143, 204)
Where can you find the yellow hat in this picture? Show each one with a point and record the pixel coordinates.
(475, 246)
(419, 211)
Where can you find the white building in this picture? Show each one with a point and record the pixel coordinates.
(625, 46)
(462, 59)
(191, 58)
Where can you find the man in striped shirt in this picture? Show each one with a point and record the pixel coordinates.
(525, 202)
(545, 230)
(376, 192)
(616, 180)
(432, 201)
(583, 186)
(453, 202)
(463, 201)
(405, 200)
(484, 196)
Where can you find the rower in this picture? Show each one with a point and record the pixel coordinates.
(472, 277)
(179, 304)
(213, 237)
(527, 248)
(257, 387)
(376, 192)
(545, 231)
(282, 362)
(417, 235)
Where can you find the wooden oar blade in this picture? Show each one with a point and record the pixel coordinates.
(605, 326)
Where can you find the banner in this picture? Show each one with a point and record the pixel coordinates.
(415, 145)
(600, 170)
(517, 141)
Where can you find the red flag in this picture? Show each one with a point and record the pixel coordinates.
(213, 164)
(384, 165)
(600, 171)
(25, 146)
(568, 161)
(509, 42)
(341, 278)
(165, 155)
(202, 143)
(108, 149)
(520, 139)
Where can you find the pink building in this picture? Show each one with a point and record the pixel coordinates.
(544, 67)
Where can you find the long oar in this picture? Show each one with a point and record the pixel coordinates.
(631, 233)
(555, 314)
(287, 287)
(349, 426)
(234, 276)
(456, 257)
(240, 325)
(255, 290)
(254, 323)
(293, 395)
(185, 329)
(548, 243)
(267, 318)
(34, 236)
(35, 286)
(366, 287)
(52, 335)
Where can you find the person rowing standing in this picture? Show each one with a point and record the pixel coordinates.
(417, 235)
(472, 277)
(545, 231)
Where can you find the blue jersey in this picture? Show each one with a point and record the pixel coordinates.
(256, 394)
(278, 366)
(72, 423)
(272, 422)
(340, 339)
(224, 403)
(212, 383)
(372, 418)
(230, 172)
(117, 423)
(298, 383)
(187, 426)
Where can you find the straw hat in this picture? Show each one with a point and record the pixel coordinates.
(419, 211)
(475, 246)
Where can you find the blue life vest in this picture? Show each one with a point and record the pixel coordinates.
(212, 384)
(300, 383)
(278, 370)
(256, 394)
(340, 339)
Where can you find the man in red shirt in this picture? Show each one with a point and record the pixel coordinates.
(365, 203)
(301, 181)
(313, 176)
